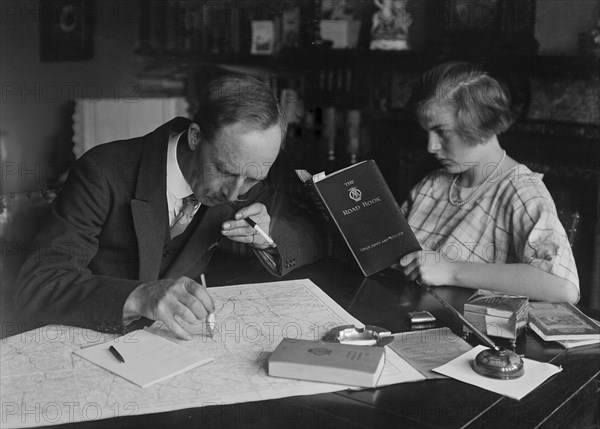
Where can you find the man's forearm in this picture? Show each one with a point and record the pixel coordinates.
(52, 295)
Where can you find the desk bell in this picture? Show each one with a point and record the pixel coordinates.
(496, 362)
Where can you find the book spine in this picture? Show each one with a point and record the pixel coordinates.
(537, 330)
(317, 200)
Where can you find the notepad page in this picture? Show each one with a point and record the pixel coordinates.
(149, 358)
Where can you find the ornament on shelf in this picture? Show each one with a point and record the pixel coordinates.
(389, 30)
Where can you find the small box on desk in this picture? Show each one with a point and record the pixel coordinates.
(497, 314)
(343, 33)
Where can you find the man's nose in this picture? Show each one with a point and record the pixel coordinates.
(235, 188)
(433, 143)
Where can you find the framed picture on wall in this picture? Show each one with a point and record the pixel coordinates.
(66, 29)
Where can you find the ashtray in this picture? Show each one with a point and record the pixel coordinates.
(369, 335)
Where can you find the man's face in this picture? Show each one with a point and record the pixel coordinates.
(237, 159)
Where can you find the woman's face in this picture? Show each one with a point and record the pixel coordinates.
(444, 142)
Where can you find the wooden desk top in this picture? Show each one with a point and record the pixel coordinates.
(569, 399)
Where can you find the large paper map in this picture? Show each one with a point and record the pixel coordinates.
(42, 382)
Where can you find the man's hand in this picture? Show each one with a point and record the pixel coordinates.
(428, 267)
(239, 230)
(164, 299)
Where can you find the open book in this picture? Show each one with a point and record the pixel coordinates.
(358, 200)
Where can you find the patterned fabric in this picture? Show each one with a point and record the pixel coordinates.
(512, 220)
(185, 216)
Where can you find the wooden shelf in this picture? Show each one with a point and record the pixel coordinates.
(302, 60)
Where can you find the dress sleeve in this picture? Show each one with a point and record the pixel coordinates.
(539, 237)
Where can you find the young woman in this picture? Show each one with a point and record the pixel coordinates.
(484, 220)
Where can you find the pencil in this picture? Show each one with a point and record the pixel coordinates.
(116, 354)
(210, 319)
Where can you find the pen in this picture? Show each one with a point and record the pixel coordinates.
(116, 354)
(210, 319)
(258, 229)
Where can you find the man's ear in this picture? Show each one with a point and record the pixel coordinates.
(194, 136)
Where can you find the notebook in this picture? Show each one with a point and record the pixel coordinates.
(149, 358)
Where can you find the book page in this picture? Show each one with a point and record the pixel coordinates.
(149, 358)
(339, 171)
(428, 349)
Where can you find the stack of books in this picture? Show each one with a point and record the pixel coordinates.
(497, 314)
(564, 323)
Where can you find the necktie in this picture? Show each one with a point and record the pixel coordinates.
(185, 216)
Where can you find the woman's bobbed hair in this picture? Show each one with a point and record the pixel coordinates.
(480, 104)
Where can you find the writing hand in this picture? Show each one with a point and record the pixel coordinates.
(164, 299)
(239, 230)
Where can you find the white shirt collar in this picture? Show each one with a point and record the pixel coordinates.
(176, 183)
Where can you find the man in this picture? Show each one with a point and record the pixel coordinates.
(125, 240)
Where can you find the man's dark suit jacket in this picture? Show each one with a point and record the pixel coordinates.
(106, 231)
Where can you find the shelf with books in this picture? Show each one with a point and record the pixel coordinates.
(203, 38)
(224, 26)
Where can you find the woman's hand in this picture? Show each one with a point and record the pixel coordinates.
(428, 267)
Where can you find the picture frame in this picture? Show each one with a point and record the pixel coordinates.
(263, 38)
(66, 30)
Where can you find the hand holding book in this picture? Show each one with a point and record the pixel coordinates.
(358, 200)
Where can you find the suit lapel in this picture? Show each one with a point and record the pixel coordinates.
(148, 219)
(194, 254)
(149, 207)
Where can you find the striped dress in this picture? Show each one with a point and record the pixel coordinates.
(513, 219)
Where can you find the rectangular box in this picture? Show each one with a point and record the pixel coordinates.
(343, 34)
(502, 327)
(497, 314)
(344, 364)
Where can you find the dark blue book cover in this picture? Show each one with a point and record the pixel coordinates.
(366, 213)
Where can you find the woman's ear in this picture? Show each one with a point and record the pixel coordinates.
(194, 136)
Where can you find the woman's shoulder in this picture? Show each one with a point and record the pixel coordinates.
(522, 179)
(526, 188)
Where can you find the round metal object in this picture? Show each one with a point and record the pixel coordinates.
(368, 336)
(502, 364)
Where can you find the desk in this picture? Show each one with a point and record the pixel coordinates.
(569, 399)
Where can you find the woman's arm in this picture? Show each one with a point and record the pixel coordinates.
(518, 279)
